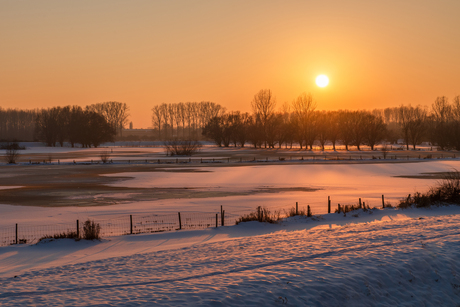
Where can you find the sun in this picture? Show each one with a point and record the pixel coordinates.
(322, 80)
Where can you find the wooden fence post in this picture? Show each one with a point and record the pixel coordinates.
(338, 207)
(78, 229)
(223, 218)
(360, 205)
(296, 208)
(217, 223)
(328, 204)
(131, 224)
(180, 223)
(17, 234)
(383, 201)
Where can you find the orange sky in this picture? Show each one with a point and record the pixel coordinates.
(376, 53)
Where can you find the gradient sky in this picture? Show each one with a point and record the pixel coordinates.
(376, 53)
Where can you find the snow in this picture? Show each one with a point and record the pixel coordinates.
(377, 258)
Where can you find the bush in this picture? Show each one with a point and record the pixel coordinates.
(261, 215)
(181, 148)
(105, 156)
(11, 155)
(91, 230)
(447, 191)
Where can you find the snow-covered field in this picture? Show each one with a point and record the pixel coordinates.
(376, 258)
(387, 258)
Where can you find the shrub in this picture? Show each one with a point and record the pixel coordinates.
(261, 215)
(446, 191)
(11, 155)
(91, 230)
(105, 157)
(181, 148)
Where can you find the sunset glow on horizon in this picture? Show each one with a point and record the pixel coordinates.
(144, 53)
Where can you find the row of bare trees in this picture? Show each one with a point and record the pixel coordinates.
(90, 126)
(183, 120)
(300, 123)
(114, 112)
(17, 124)
(74, 125)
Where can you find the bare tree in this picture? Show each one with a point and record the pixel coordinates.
(304, 108)
(374, 129)
(413, 123)
(157, 119)
(115, 113)
(263, 106)
(442, 114)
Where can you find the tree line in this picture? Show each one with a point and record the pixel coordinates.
(300, 123)
(17, 124)
(184, 119)
(89, 126)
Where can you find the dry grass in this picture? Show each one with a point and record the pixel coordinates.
(91, 230)
(261, 215)
(447, 191)
(64, 235)
(264, 215)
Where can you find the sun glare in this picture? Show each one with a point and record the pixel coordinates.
(322, 80)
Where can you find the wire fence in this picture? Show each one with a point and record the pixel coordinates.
(137, 224)
(130, 224)
(338, 156)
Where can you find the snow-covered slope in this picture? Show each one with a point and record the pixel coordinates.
(389, 257)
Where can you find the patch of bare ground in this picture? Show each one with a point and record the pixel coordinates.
(83, 185)
(434, 175)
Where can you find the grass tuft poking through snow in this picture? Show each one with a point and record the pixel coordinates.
(446, 192)
(262, 214)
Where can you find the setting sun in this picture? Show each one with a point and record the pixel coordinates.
(322, 80)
